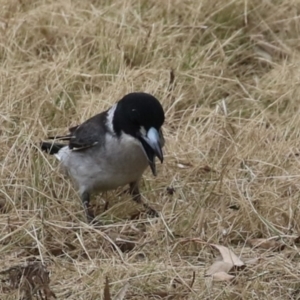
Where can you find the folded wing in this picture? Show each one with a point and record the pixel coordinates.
(88, 134)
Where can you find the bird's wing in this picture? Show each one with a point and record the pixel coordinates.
(88, 134)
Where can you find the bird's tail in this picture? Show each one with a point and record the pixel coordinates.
(51, 148)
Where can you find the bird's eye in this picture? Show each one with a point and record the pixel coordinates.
(135, 117)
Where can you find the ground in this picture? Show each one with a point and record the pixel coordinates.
(227, 74)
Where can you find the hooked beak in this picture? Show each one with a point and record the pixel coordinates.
(152, 144)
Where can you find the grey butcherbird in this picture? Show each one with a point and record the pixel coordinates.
(113, 148)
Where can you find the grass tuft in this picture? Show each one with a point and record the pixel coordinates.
(227, 75)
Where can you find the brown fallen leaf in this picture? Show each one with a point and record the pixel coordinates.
(106, 290)
(222, 276)
(30, 278)
(219, 266)
(266, 244)
(228, 256)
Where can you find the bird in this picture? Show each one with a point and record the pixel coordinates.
(112, 148)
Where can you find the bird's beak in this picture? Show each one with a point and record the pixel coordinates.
(153, 142)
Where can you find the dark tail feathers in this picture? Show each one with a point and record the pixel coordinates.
(51, 148)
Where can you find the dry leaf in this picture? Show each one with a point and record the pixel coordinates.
(106, 290)
(219, 266)
(228, 256)
(266, 244)
(222, 276)
(31, 278)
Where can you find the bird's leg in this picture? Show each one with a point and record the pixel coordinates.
(136, 196)
(85, 198)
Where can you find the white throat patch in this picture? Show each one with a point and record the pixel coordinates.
(110, 116)
(143, 131)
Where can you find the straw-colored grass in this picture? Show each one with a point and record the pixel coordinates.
(228, 76)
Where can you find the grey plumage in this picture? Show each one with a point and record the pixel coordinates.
(113, 148)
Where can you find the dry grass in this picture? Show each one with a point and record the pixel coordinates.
(232, 133)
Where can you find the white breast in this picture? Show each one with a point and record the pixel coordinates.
(100, 168)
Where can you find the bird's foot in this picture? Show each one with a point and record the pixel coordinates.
(90, 217)
(151, 212)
